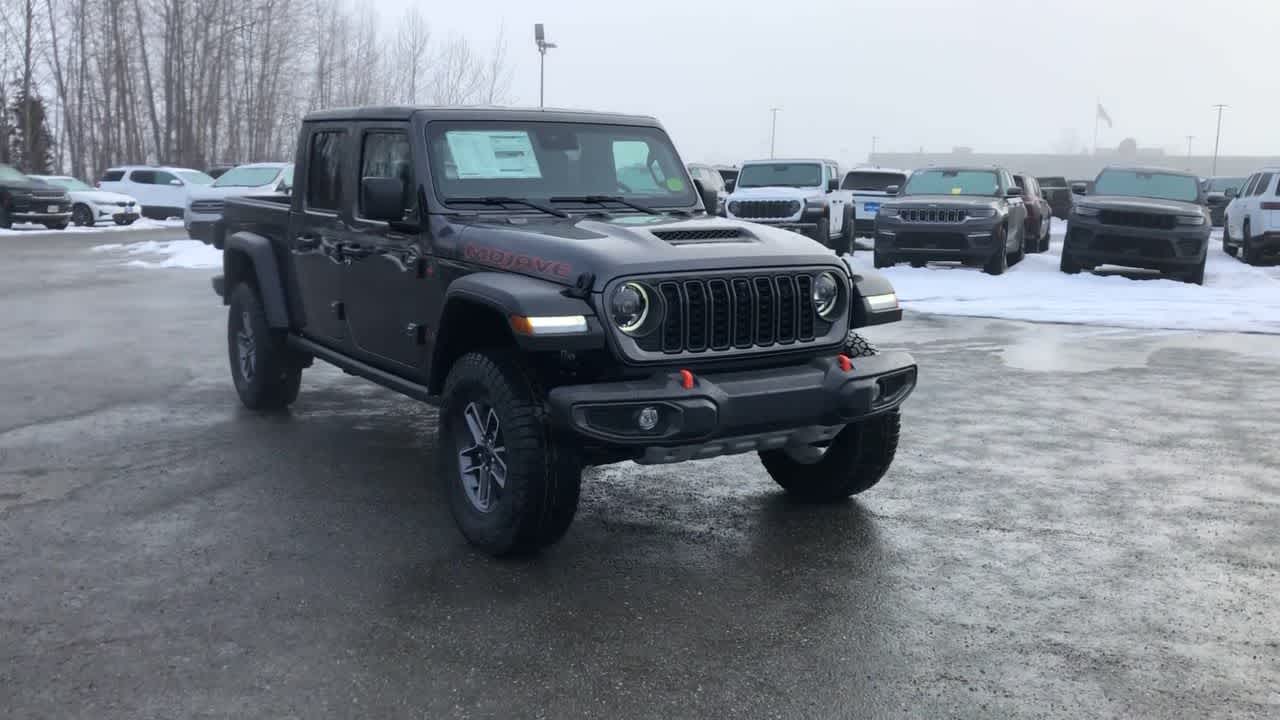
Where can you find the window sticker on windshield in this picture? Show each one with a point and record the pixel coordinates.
(956, 191)
(675, 184)
(489, 155)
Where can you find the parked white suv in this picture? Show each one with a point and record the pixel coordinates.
(1252, 227)
(867, 188)
(90, 206)
(161, 191)
(800, 195)
(204, 204)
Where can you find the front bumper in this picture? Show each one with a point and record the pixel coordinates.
(969, 240)
(200, 226)
(734, 412)
(41, 217)
(1180, 249)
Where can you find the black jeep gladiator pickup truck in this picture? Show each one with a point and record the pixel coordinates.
(553, 281)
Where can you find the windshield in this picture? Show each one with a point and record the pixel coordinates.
(1223, 184)
(248, 177)
(953, 182)
(1157, 185)
(541, 160)
(872, 181)
(1052, 182)
(8, 173)
(780, 175)
(67, 183)
(194, 177)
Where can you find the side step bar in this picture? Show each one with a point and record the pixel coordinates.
(364, 370)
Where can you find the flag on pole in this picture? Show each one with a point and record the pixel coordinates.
(1102, 114)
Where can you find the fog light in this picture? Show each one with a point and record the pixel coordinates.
(648, 418)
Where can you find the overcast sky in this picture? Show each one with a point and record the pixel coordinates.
(1019, 76)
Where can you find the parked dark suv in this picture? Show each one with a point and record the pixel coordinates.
(1058, 192)
(23, 199)
(972, 214)
(1139, 217)
(554, 282)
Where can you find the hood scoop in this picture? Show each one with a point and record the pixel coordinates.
(705, 236)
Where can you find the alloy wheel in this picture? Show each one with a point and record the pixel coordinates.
(482, 456)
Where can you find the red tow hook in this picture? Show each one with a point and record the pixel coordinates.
(846, 363)
(686, 379)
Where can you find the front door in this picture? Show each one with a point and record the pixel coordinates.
(317, 233)
(386, 277)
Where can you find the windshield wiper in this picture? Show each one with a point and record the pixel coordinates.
(499, 201)
(602, 199)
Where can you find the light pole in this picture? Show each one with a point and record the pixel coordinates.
(773, 130)
(874, 140)
(1217, 136)
(1189, 139)
(540, 38)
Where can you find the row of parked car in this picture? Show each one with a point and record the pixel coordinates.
(1150, 218)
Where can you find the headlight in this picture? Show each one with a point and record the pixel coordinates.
(826, 295)
(630, 307)
(793, 207)
(1085, 210)
(888, 211)
(981, 212)
(734, 207)
(1191, 219)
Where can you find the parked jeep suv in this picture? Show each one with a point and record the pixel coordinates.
(800, 195)
(972, 214)
(24, 199)
(554, 282)
(1139, 217)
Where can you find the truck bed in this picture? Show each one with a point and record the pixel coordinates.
(266, 215)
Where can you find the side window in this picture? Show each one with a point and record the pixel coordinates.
(1264, 182)
(143, 177)
(324, 171)
(629, 158)
(387, 154)
(1248, 186)
(161, 177)
(112, 176)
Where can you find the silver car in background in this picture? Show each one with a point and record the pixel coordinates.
(204, 206)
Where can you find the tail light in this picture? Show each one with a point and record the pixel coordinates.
(1271, 206)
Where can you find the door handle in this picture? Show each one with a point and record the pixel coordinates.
(352, 251)
(307, 241)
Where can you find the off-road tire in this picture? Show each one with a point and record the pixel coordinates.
(81, 215)
(1068, 264)
(855, 460)
(276, 374)
(999, 261)
(56, 226)
(1196, 276)
(881, 260)
(543, 480)
(844, 244)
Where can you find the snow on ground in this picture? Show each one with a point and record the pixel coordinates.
(1235, 296)
(165, 254)
(139, 224)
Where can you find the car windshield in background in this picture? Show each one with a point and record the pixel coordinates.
(67, 183)
(1052, 182)
(8, 173)
(542, 160)
(247, 177)
(872, 181)
(780, 175)
(953, 182)
(1223, 184)
(194, 177)
(1136, 183)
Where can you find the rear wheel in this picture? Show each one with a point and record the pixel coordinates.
(81, 215)
(266, 372)
(853, 462)
(1227, 247)
(999, 261)
(56, 225)
(844, 245)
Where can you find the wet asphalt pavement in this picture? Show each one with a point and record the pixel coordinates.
(1082, 522)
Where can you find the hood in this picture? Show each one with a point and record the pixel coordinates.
(28, 185)
(208, 192)
(1139, 204)
(775, 193)
(561, 250)
(948, 201)
(101, 196)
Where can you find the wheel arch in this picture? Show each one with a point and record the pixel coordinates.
(249, 257)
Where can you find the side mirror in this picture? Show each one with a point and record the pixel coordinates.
(382, 198)
(1079, 189)
(892, 190)
(833, 185)
(175, 182)
(1231, 193)
(710, 198)
(729, 185)
(1013, 192)
(285, 188)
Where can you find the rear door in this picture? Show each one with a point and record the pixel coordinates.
(141, 185)
(1235, 208)
(1253, 204)
(317, 226)
(385, 281)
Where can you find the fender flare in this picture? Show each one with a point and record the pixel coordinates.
(247, 255)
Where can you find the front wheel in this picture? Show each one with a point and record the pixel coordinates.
(854, 461)
(56, 225)
(125, 221)
(999, 261)
(1250, 254)
(81, 215)
(844, 244)
(510, 487)
(881, 260)
(1227, 247)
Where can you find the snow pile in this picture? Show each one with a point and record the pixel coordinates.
(1235, 297)
(166, 254)
(139, 224)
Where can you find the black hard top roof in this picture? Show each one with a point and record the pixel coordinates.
(478, 112)
(1151, 169)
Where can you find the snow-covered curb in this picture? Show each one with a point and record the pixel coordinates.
(165, 254)
(27, 229)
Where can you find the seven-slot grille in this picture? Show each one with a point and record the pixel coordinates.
(766, 208)
(1138, 219)
(725, 313)
(933, 215)
(207, 206)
